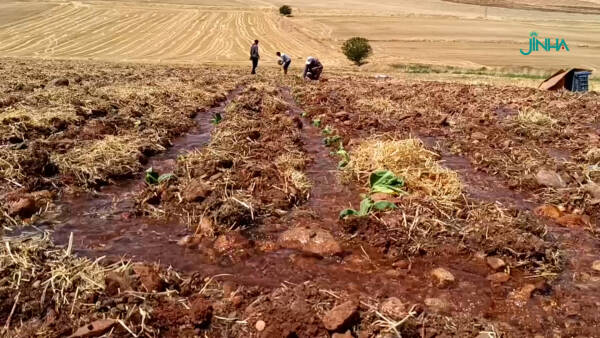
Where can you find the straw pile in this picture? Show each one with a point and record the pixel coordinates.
(113, 156)
(408, 159)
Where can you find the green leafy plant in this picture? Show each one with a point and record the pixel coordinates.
(357, 49)
(304, 114)
(367, 206)
(316, 123)
(153, 177)
(386, 182)
(341, 152)
(327, 130)
(285, 10)
(331, 140)
(217, 118)
(382, 181)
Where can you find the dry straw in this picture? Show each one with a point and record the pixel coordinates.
(410, 160)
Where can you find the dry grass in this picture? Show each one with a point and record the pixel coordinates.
(291, 165)
(533, 123)
(379, 105)
(113, 156)
(9, 164)
(409, 159)
(15, 121)
(36, 261)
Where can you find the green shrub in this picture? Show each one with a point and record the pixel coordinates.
(357, 49)
(285, 10)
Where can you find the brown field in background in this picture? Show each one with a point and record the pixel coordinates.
(433, 32)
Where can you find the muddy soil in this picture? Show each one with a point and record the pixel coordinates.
(247, 236)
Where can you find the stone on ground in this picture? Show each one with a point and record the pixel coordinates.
(550, 179)
(311, 239)
(341, 316)
(495, 263)
(443, 276)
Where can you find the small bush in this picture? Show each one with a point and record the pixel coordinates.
(357, 49)
(285, 10)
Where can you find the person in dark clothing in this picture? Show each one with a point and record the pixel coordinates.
(284, 61)
(313, 69)
(254, 56)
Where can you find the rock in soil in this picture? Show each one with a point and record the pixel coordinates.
(341, 316)
(495, 263)
(346, 334)
(498, 277)
(61, 82)
(550, 179)
(522, 295)
(24, 208)
(596, 265)
(230, 241)
(201, 311)
(94, 329)
(116, 283)
(574, 221)
(196, 190)
(393, 308)
(443, 276)
(149, 277)
(260, 325)
(311, 239)
(438, 305)
(549, 211)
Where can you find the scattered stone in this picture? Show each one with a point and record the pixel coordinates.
(346, 334)
(438, 305)
(189, 240)
(36, 284)
(116, 283)
(341, 316)
(574, 221)
(230, 241)
(443, 276)
(311, 239)
(550, 178)
(596, 265)
(149, 277)
(549, 211)
(495, 263)
(342, 115)
(394, 308)
(522, 295)
(498, 277)
(260, 325)
(94, 329)
(196, 191)
(24, 208)
(61, 82)
(201, 311)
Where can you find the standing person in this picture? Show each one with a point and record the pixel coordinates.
(313, 69)
(285, 61)
(254, 56)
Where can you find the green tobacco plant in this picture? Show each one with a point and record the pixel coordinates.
(386, 182)
(217, 118)
(367, 206)
(152, 177)
(331, 140)
(327, 131)
(341, 152)
(382, 181)
(304, 114)
(316, 123)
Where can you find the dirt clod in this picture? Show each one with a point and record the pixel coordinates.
(116, 283)
(498, 277)
(60, 82)
(442, 276)
(149, 277)
(495, 263)
(24, 208)
(550, 179)
(394, 308)
(341, 316)
(197, 190)
(201, 311)
(574, 221)
(94, 329)
(346, 334)
(522, 295)
(596, 265)
(311, 239)
(260, 325)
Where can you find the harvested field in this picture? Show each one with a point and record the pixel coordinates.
(169, 201)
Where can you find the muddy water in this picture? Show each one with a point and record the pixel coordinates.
(102, 223)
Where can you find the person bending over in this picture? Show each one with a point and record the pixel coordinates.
(313, 69)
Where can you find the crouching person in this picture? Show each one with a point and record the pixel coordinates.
(313, 69)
